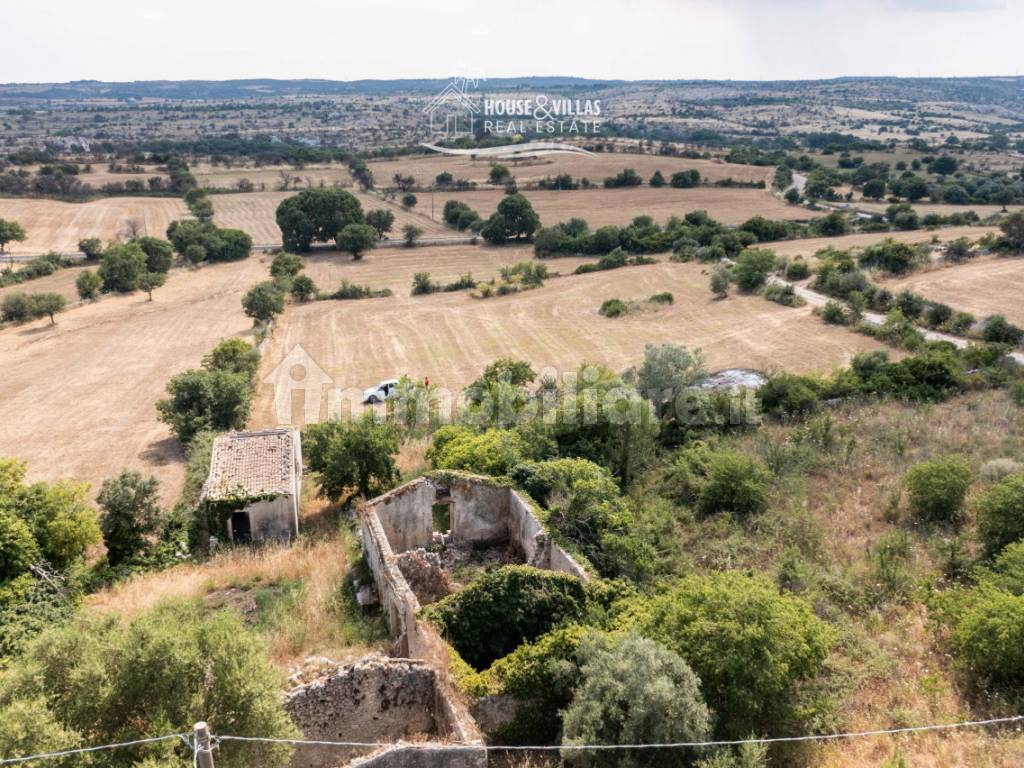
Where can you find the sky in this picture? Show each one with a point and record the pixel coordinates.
(62, 40)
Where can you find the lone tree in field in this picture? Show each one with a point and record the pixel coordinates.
(263, 301)
(88, 284)
(382, 220)
(10, 231)
(316, 215)
(411, 233)
(499, 174)
(48, 304)
(303, 288)
(150, 281)
(720, 279)
(356, 239)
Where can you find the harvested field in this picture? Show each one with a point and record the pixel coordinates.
(394, 267)
(255, 213)
(811, 245)
(596, 168)
(619, 206)
(985, 286)
(55, 226)
(452, 337)
(77, 399)
(268, 178)
(62, 281)
(984, 211)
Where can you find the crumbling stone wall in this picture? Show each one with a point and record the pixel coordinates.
(374, 699)
(426, 577)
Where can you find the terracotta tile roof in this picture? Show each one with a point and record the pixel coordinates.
(251, 464)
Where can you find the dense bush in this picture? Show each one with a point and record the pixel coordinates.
(131, 514)
(60, 521)
(633, 691)
(613, 308)
(752, 268)
(263, 302)
(492, 452)
(102, 680)
(506, 608)
(1001, 514)
(734, 483)
(937, 488)
(749, 645)
(789, 395)
(586, 510)
(352, 457)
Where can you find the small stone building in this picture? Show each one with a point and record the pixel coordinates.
(255, 481)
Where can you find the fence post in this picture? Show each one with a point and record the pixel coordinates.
(201, 734)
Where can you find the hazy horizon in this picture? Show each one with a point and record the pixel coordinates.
(55, 41)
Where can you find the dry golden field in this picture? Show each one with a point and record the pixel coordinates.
(61, 281)
(811, 245)
(619, 206)
(984, 211)
(985, 286)
(270, 176)
(595, 168)
(77, 399)
(55, 226)
(394, 267)
(452, 337)
(255, 213)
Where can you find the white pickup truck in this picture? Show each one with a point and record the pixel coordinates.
(381, 392)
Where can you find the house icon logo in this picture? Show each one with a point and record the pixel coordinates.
(453, 112)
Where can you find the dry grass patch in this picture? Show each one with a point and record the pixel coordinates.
(985, 286)
(394, 267)
(77, 398)
(298, 595)
(62, 281)
(55, 226)
(811, 245)
(452, 337)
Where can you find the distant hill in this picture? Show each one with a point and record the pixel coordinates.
(241, 89)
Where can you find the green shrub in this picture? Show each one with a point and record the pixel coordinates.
(613, 308)
(286, 265)
(749, 645)
(937, 488)
(999, 331)
(1001, 515)
(18, 548)
(493, 452)
(113, 681)
(798, 270)
(752, 268)
(506, 608)
(989, 636)
(633, 691)
(88, 284)
(234, 355)
(734, 483)
(665, 297)
(263, 302)
(585, 507)
(543, 672)
(788, 395)
(834, 313)
(303, 288)
(1017, 393)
